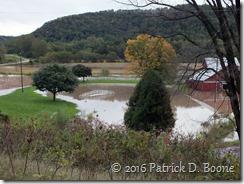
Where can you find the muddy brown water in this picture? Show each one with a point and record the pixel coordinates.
(108, 103)
(13, 81)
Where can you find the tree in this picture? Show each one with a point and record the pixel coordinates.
(81, 71)
(55, 78)
(2, 54)
(149, 106)
(39, 48)
(151, 52)
(28, 46)
(225, 38)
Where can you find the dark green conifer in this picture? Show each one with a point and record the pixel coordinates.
(149, 106)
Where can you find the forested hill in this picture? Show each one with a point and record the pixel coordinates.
(103, 35)
(106, 32)
(122, 24)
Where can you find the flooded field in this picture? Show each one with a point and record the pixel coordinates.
(13, 81)
(108, 102)
(114, 68)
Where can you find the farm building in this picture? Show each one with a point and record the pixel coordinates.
(209, 77)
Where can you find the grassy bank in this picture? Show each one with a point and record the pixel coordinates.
(29, 103)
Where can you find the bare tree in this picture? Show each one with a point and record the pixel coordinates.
(225, 37)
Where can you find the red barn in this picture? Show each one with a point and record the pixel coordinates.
(209, 77)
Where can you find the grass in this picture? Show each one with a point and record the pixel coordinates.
(113, 81)
(11, 58)
(15, 73)
(29, 103)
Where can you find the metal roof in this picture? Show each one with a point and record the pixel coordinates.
(211, 63)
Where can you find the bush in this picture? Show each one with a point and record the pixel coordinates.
(85, 150)
(105, 72)
(149, 106)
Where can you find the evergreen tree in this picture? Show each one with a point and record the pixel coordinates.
(149, 106)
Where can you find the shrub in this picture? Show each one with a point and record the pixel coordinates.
(149, 106)
(85, 150)
(105, 72)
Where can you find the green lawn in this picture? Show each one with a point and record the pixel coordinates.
(119, 81)
(31, 104)
(11, 58)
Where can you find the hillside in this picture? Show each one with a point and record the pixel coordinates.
(124, 24)
(5, 39)
(109, 30)
(103, 35)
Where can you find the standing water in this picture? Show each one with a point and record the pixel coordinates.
(108, 103)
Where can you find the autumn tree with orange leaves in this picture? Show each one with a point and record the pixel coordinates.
(148, 52)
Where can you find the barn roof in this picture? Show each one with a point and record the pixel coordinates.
(211, 63)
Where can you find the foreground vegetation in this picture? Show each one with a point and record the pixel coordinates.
(59, 149)
(28, 104)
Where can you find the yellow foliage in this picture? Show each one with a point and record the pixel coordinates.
(150, 52)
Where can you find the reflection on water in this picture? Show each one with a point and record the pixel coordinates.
(190, 120)
(108, 103)
(100, 94)
(217, 100)
(106, 92)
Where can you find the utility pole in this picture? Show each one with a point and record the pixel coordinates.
(21, 74)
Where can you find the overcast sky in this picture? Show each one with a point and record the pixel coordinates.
(19, 17)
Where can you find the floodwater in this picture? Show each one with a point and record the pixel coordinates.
(108, 103)
(13, 81)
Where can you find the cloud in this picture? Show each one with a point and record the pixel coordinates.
(17, 29)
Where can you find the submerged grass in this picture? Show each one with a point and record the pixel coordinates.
(29, 103)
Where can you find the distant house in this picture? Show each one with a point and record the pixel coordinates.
(207, 79)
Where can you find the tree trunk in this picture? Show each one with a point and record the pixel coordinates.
(231, 74)
(54, 96)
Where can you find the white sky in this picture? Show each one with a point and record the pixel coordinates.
(24, 16)
(19, 17)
